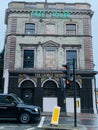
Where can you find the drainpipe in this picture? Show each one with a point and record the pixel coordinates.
(94, 94)
(6, 80)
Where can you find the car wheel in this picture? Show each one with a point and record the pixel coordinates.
(25, 118)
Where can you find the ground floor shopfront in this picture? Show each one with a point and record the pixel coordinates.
(44, 88)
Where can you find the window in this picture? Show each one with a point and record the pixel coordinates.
(0, 98)
(8, 100)
(70, 55)
(49, 89)
(30, 28)
(28, 59)
(70, 29)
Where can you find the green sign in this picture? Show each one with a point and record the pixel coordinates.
(54, 14)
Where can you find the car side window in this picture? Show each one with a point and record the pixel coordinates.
(9, 99)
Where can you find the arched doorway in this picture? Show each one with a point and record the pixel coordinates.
(49, 95)
(70, 98)
(27, 91)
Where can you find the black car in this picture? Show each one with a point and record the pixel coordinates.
(12, 107)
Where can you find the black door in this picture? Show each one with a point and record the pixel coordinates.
(27, 91)
(27, 95)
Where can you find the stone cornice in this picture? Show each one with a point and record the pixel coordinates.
(71, 11)
(29, 11)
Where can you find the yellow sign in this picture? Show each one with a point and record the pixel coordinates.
(77, 104)
(55, 116)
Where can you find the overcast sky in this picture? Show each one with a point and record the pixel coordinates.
(94, 7)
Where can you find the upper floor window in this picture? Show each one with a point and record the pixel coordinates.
(30, 28)
(70, 29)
(28, 61)
(70, 55)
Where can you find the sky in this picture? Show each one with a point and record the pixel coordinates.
(94, 22)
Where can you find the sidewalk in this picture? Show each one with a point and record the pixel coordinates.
(65, 127)
(61, 114)
(69, 126)
(70, 114)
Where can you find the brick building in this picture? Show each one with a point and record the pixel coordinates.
(40, 37)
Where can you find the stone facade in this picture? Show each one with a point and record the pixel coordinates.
(50, 32)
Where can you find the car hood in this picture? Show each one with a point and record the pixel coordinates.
(27, 106)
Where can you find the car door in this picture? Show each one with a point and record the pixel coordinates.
(2, 107)
(8, 109)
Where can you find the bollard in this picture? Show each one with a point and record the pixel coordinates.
(55, 116)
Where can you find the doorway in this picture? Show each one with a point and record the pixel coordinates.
(49, 95)
(27, 91)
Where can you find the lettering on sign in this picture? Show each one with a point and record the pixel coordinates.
(48, 75)
(54, 14)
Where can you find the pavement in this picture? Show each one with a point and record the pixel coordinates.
(65, 127)
(69, 126)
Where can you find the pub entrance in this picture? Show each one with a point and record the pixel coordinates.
(27, 91)
(49, 95)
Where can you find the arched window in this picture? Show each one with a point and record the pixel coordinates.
(49, 88)
(70, 91)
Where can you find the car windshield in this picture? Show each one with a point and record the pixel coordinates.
(19, 99)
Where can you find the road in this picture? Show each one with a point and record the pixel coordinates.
(90, 121)
(16, 126)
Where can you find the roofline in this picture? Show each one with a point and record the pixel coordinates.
(71, 3)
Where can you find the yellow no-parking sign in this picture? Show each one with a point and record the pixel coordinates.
(77, 103)
(55, 116)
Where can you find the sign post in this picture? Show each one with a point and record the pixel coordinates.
(75, 109)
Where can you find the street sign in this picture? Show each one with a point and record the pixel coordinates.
(55, 116)
(77, 103)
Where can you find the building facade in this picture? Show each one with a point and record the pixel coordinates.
(40, 37)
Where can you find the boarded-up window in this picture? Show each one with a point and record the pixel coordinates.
(50, 29)
(50, 59)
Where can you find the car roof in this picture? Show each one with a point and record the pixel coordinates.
(7, 94)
